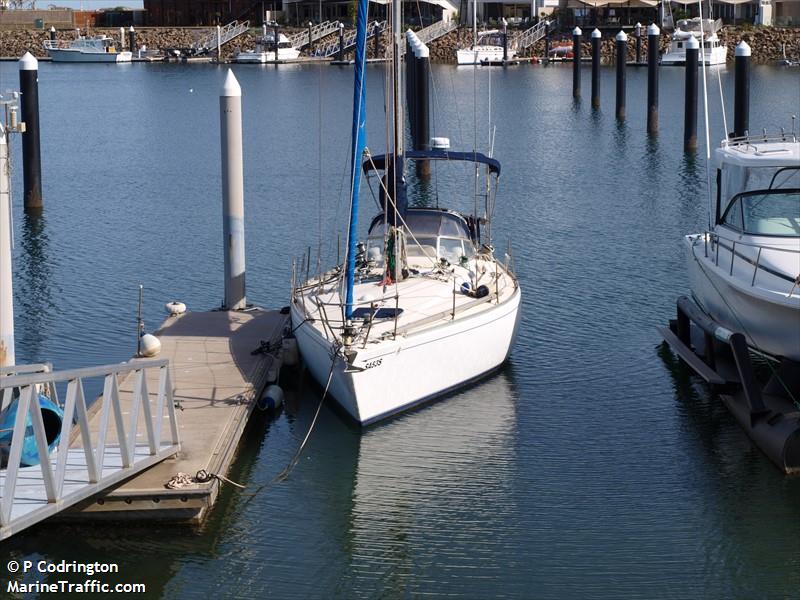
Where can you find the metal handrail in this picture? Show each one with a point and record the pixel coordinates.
(752, 138)
(28, 384)
(228, 32)
(716, 241)
(301, 39)
(433, 32)
(331, 47)
(530, 36)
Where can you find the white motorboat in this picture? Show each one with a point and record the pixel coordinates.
(87, 49)
(745, 271)
(265, 51)
(715, 52)
(488, 48)
(423, 307)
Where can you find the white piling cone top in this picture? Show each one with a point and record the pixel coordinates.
(622, 36)
(577, 31)
(653, 29)
(28, 62)
(692, 43)
(596, 33)
(742, 49)
(231, 87)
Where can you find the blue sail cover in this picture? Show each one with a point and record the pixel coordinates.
(359, 142)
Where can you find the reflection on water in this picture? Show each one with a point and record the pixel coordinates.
(425, 477)
(34, 292)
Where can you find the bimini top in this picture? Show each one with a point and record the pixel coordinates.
(430, 222)
(380, 160)
(754, 152)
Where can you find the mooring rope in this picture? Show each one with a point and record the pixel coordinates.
(286, 471)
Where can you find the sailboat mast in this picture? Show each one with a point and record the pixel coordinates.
(358, 143)
(397, 31)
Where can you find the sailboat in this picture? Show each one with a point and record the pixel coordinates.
(423, 307)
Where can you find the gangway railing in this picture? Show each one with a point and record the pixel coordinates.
(227, 33)
(433, 32)
(324, 29)
(436, 30)
(331, 47)
(530, 36)
(91, 458)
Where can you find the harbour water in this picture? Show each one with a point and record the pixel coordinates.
(590, 466)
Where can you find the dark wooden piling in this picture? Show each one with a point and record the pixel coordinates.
(653, 35)
(741, 102)
(576, 62)
(690, 108)
(376, 39)
(596, 35)
(622, 63)
(547, 41)
(31, 147)
(52, 34)
(637, 33)
(132, 39)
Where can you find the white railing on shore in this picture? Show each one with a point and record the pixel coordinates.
(331, 47)
(230, 31)
(529, 37)
(301, 39)
(433, 32)
(87, 462)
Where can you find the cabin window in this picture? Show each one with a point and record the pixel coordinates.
(680, 44)
(733, 216)
(451, 249)
(770, 212)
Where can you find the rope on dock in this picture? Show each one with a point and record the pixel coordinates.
(182, 480)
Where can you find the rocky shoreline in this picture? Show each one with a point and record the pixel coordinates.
(766, 43)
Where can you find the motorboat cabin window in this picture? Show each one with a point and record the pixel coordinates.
(434, 234)
(736, 178)
(766, 212)
(680, 44)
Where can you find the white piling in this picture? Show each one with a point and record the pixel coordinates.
(7, 357)
(121, 38)
(219, 43)
(230, 104)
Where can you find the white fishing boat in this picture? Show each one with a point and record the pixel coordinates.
(87, 49)
(265, 51)
(487, 48)
(715, 52)
(423, 307)
(745, 271)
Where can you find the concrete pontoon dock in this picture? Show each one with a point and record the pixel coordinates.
(217, 379)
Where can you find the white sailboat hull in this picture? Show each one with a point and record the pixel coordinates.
(397, 374)
(767, 312)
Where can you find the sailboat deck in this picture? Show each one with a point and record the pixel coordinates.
(425, 300)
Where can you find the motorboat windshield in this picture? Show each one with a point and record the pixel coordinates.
(757, 167)
(772, 212)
